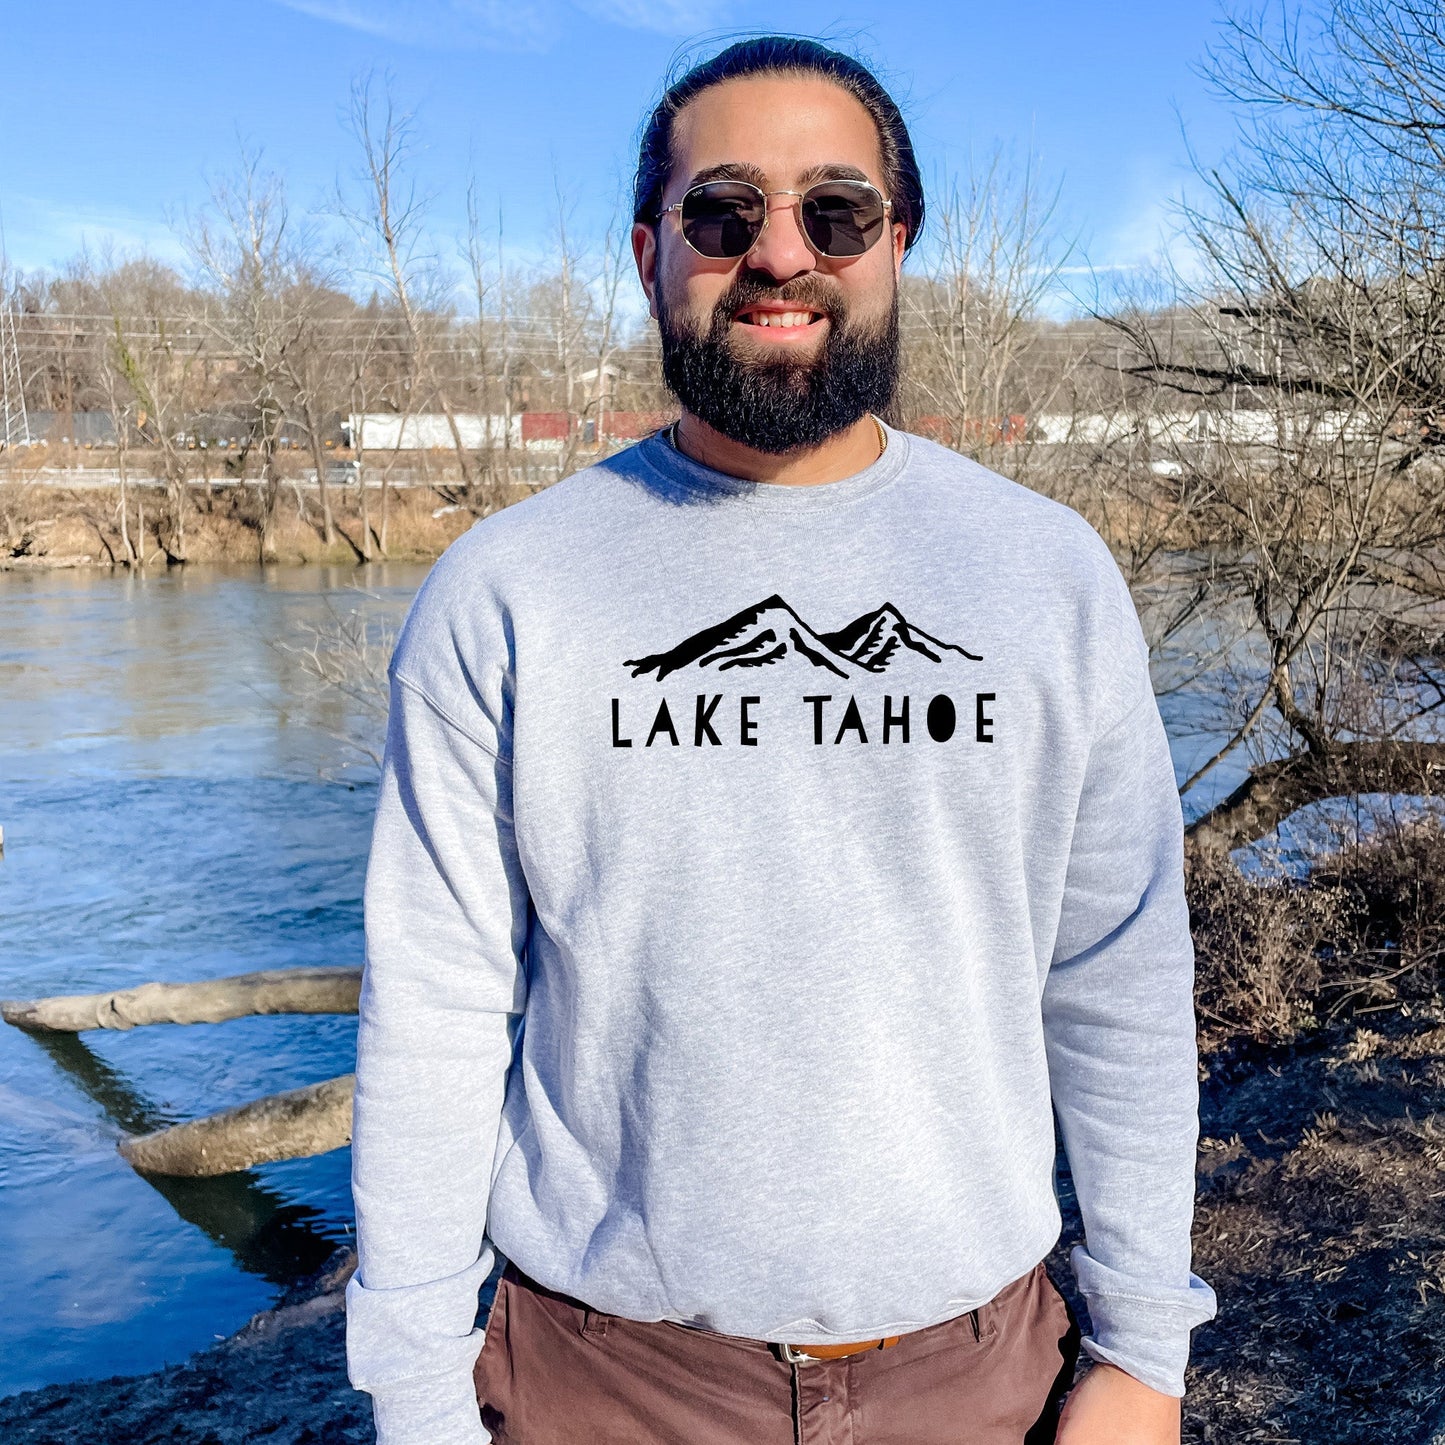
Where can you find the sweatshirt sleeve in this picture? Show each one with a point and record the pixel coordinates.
(446, 911)
(1120, 1036)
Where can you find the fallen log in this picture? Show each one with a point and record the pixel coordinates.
(322, 990)
(305, 1121)
(1273, 791)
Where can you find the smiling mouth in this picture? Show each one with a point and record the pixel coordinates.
(789, 319)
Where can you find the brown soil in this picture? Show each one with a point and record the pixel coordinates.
(1320, 1224)
(46, 526)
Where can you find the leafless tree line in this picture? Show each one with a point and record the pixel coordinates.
(282, 324)
(1320, 308)
(1260, 437)
(265, 339)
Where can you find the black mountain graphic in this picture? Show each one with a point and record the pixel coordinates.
(771, 633)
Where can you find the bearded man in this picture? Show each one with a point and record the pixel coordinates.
(776, 833)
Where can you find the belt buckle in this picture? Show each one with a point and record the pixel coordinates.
(798, 1357)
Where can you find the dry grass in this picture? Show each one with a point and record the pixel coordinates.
(1321, 1225)
(42, 525)
(1321, 1207)
(1277, 959)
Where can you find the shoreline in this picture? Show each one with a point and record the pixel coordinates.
(46, 526)
(281, 1377)
(1318, 1171)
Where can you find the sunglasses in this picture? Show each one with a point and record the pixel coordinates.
(723, 219)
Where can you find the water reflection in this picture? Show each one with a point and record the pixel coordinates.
(177, 671)
(266, 1236)
(162, 770)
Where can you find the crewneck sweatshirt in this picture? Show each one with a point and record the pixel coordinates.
(757, 870)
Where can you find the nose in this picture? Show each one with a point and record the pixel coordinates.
(781, 251)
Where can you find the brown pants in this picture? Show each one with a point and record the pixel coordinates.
(554, 1372)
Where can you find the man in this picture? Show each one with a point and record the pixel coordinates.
(776, 822)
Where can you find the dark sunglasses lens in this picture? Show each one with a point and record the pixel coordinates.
(842, 219)
(722, 218)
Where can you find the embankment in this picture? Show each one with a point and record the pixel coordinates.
(44, 525)
(280, 1378)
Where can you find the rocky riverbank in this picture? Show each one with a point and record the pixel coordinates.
(281, 1378)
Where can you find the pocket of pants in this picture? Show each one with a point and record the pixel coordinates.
(494, 1328)
(1061, 1305)
(987, 1326)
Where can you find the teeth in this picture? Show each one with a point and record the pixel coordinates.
(781, 318)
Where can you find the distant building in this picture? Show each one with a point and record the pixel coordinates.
(382, 431)
(543, 430)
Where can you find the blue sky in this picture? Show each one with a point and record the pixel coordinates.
(112, 116)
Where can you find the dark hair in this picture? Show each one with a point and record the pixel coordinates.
(773, 55)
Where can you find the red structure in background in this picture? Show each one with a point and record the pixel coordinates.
(1004, 430)
(631, 425)
(552, 426)
(544, 426)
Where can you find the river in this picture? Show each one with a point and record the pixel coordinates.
(176, 805)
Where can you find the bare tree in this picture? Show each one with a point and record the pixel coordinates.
(149, 374)
(242, 246)
(389, 220)
(317, 372)
(1316, 364)
(345, 658)
(493, 355)
(976, 348)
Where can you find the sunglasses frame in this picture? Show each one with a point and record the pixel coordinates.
(767, 211)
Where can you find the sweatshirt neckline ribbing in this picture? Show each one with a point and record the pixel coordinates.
(676, 466)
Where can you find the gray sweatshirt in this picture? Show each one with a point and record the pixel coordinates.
(753, 867)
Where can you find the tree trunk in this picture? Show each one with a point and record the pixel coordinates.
(322, 990)
(305, 1121)
(124, 503)
(1275, 790)
(318, 455)
(270, 492)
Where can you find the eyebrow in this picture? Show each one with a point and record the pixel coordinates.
(729, 171)
(745, 171)
(832, 171)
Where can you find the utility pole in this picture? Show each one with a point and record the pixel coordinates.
(14, 422)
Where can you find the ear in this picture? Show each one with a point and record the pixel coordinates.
(900, 242)
(644, 252)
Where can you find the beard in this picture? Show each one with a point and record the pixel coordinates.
(781, 404)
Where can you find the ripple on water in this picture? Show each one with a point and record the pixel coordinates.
(165, 818)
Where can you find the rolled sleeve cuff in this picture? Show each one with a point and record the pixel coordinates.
(1144, 1331)
(428, 1410)
(390, 1333)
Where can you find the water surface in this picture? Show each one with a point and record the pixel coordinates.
(176, 806)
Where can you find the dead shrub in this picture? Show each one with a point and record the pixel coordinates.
(1277, 957)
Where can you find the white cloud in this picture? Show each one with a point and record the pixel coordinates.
(42, 234)
(501, 24)
(441, 23)
(670, 17)
(1135, 255)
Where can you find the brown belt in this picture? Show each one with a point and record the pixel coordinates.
(805, 1354)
